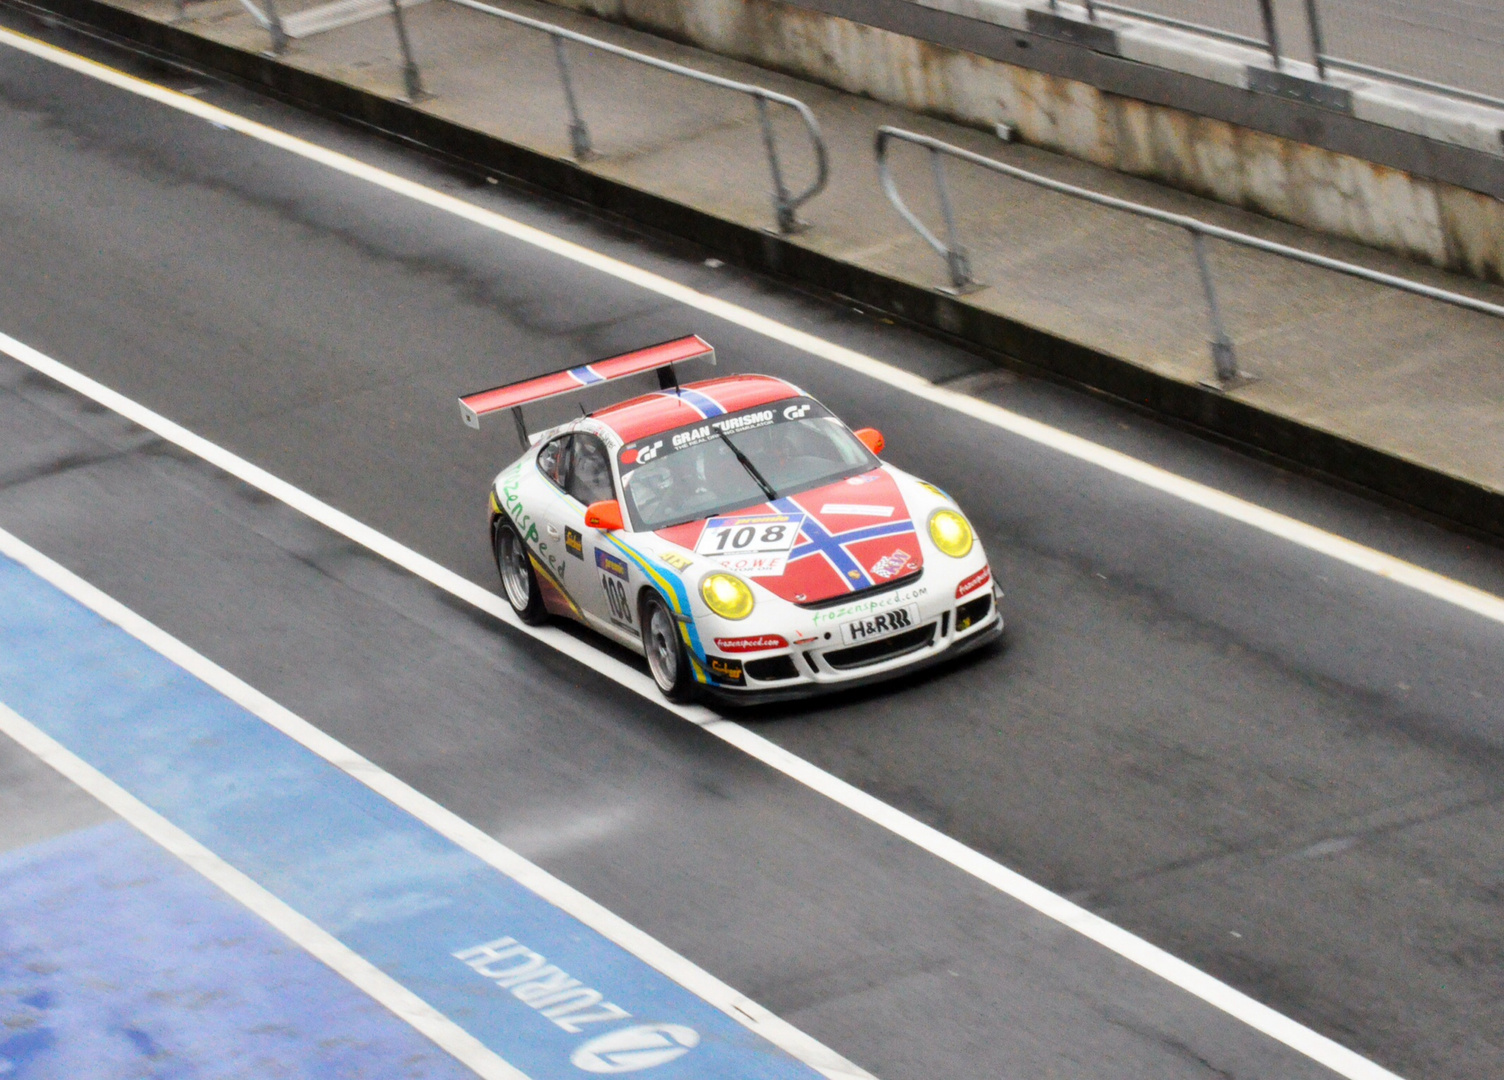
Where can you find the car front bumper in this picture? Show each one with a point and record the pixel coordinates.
(819, 671)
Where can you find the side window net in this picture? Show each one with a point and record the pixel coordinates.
(590, 470)
(553, 460)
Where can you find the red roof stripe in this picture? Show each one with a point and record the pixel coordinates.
(663, 410)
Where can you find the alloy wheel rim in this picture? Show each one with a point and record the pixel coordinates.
(514, 573)
(663, 653)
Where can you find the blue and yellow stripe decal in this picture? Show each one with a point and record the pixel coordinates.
(672, 589)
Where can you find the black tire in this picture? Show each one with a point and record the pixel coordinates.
(663, 645)
(515, 566)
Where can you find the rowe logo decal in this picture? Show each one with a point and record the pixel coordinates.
(635, 1048)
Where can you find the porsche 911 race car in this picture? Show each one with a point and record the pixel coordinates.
(734, 532)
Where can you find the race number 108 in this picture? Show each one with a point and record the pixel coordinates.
(733, 536)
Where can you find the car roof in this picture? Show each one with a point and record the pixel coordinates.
(668, 409)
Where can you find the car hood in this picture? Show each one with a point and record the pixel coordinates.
(854, 534)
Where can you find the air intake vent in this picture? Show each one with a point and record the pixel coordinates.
(875, 652)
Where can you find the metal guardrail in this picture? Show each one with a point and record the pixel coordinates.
(1317, 37)
(276, 27)
(1224, 358)
(785, 203)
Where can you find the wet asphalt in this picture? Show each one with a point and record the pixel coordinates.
(1281, 769)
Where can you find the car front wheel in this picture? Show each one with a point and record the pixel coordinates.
(664, 646)
(517, 578)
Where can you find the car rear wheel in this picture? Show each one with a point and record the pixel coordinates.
(517, 578)
(664, 646)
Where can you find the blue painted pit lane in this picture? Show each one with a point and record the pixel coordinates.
(545, 992)
(117, 961)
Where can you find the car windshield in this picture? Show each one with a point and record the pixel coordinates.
(723, 464)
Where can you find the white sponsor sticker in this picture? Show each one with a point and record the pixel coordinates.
(881, 625)
(857, 510)
(755, 544)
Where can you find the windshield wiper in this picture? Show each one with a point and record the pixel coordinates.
(767, 488)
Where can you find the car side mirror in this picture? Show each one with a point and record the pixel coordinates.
(605, 515)
(871, 438)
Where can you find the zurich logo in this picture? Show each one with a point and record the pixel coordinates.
(634, 1048)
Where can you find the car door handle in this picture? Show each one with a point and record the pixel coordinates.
(553, 531)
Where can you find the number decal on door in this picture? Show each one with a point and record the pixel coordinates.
(616, 599)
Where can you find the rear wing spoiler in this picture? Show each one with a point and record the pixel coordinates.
(513, 396)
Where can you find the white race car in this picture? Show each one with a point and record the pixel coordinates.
(734, 532)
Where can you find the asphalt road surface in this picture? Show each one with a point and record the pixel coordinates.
(1280, 768)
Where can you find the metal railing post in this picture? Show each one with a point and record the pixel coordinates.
(410, 76)
(274, 27)
(1318, 44)
(955, 255)
(579, 134)
(956, 262)
(1271, 31)
(788, 221)
(1224, 359)
(785, 205)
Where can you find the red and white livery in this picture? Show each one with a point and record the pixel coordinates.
(734, 532)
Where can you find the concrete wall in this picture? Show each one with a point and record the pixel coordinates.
(1440, 223)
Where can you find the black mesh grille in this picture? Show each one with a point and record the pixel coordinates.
(968, 615)
(771, 668)
(873, 652)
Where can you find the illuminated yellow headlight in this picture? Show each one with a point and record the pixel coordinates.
(950, 533)
(727, 596)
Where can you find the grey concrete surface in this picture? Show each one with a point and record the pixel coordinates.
(1456, 42)
(1412, 377)
(36, 803)
(1281, 769)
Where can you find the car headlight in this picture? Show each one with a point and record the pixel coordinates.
(950, 533)
(728, 596)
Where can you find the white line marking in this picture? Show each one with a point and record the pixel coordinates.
(856, 510)
(443, 821)
(1287, 528)
(302, 931)
(1316, 1046)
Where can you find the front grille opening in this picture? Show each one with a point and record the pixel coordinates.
(874, 652)
(772, 668)
(968, 615)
